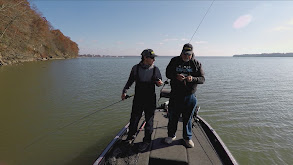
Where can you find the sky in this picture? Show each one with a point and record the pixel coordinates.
(123, 27)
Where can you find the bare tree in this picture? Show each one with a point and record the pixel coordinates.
(13, 18)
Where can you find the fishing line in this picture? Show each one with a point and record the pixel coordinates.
(43, 136)
(202, 20)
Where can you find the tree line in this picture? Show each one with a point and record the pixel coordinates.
(25, 35)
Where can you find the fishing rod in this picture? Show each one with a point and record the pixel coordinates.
(41, 137)
(202, 20)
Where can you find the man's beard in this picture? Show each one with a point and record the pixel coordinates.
(185, 60)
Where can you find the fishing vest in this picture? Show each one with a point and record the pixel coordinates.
(145, 89)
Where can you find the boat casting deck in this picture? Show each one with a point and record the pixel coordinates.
(159, 152)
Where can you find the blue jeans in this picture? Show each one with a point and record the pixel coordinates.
(186, 106)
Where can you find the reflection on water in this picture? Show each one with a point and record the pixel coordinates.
(247, 101)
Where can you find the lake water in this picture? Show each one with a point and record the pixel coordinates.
(248, 101)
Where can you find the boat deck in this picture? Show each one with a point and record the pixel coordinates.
(159, 152)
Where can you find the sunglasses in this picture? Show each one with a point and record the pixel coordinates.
(151, 57)
(187, 54)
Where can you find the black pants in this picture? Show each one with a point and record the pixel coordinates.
(146, 104)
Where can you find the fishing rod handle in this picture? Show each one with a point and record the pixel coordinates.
(127, 96)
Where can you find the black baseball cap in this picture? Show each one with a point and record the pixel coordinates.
(187, 49)
(148, 53)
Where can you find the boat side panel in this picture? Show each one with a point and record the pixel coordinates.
(203, 152)
(218, 144)
(101, 158)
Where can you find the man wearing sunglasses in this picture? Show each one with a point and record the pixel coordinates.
(146, 75)
(185, 73)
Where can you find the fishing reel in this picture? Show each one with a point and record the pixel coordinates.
(127, 96)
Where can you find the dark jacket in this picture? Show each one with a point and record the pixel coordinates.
(192, 68)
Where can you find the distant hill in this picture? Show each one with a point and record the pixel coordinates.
(27, 36)
(266, 55)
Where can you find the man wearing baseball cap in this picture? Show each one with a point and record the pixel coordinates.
(145, 75)
(185, 73)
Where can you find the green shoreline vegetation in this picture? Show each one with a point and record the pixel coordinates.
(25, 35)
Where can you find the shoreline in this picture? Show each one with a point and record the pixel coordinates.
(266, 55)
(20, 61)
